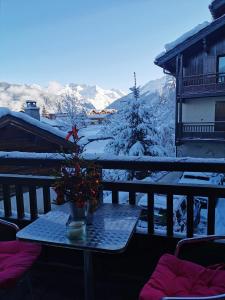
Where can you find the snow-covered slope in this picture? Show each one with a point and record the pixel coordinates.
(13, 96)
(152, 93)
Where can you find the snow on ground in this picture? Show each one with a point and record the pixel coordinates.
(90, 134)
(90, 131)
(96, 146)
(92, 138)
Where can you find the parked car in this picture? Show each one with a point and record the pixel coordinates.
(180, 206)
(200, 202)
(202, 178)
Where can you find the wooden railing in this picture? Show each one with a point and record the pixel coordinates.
(213, 130)
(20, 185)
(207, 83)
(32, 183)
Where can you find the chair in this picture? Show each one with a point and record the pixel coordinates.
(177, 279)
(16, 257)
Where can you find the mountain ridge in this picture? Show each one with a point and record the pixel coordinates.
(14, 95)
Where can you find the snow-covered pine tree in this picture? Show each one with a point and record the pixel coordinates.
(133, 129)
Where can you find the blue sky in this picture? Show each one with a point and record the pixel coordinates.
(90, 41)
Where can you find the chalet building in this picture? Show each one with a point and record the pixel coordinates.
(97, 117)
(21, 132)
(197, 60)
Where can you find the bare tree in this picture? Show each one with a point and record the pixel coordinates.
(72, 106)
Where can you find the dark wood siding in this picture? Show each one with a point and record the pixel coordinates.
(220, 116)
(15, 139)
(19, 135)
(204, 62)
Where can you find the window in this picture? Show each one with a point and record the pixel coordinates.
(221, 69)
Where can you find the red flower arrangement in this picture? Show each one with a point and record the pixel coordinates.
(79, 181)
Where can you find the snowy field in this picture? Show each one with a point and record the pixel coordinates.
(96, 147)
(91, 137)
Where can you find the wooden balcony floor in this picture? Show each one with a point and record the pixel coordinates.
(58, 275)
(54, 283)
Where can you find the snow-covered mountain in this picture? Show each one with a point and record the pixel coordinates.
(13, 96)
(158, 94)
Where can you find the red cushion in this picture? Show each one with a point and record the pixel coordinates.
(177, 277)
(15, 259)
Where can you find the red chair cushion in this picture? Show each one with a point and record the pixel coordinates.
(15, 259)
(177, 277)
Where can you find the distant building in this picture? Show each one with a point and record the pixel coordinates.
(96, 117)
(197, 60)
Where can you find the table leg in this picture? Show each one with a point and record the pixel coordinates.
(88, 276)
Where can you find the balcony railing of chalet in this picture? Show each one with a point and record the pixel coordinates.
(132, 187)
(208, 83)
(203, 130)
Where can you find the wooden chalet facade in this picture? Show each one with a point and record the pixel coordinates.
(198, 63)
(24, 136)
(16, 134)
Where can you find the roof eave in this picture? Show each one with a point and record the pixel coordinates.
(215, 25)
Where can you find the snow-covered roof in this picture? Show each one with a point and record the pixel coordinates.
(183, 38)
(30, 155)
(188, 39)
(4, 111)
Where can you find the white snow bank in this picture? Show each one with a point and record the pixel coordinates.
(30, 155)
(96, 146)
(108, 156)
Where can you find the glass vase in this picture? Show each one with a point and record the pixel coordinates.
(76, 225)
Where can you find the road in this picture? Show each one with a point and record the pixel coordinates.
(170, 177)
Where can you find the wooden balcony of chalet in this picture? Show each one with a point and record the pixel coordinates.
(59, 272)
(209, 131)
(203, 85)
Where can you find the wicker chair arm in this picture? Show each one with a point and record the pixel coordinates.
(208, 238)
(10, 225)
(219, 297)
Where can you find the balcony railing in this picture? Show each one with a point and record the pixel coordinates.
(203, 84)
(31, 184)
(203, 130)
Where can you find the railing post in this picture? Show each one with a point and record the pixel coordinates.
(132, 198)
(46, 199)
(7, 200)
(211, 215)
(19, 202)
(115, 197)
(169, 217)
(33, 202)
(190, 215)
(150, 213)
